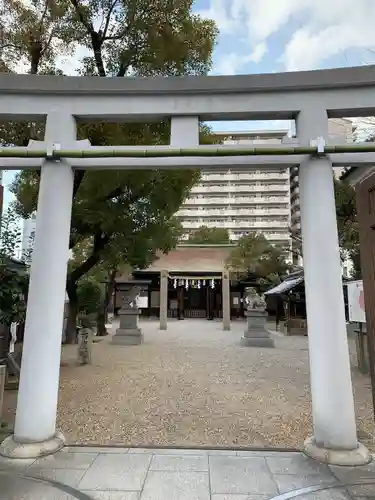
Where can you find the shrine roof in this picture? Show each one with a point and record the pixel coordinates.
(193, 258)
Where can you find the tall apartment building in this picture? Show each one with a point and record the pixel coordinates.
(28, 235)
(340, 131)
(240, 199)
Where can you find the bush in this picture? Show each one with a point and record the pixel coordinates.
(13, 289)
(89, 295)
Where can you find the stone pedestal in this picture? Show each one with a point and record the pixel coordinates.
(256, 334)
(128, 333)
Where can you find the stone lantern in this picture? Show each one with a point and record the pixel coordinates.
(129, 333)
(256, 334)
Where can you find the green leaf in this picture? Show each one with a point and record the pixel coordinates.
(254, 255)
(209, 236)
(126, 217)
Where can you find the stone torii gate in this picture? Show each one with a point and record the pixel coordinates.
(308, 97)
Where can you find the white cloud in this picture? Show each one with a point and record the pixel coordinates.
(258, 53)
(326, 28)
(230, 64)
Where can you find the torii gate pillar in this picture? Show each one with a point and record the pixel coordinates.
(335, 436)
(35, 431)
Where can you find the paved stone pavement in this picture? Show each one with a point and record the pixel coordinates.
(100, 473)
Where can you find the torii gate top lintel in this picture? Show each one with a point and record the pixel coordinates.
(341, 92)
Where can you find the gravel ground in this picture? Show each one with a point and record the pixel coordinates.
(193, 385)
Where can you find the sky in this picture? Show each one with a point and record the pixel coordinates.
(267, 36)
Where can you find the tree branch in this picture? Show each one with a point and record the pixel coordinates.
(125, 65)
(97, 43)
(100, 241)
(112, 194)
(96, 39)
(43, 17)
(108, 19)
(81, 16)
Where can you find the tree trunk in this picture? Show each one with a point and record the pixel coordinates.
(101, 328)
(71, 327)
(106, 299)
(101, 317)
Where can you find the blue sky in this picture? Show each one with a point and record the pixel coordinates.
(259, 36)
(265, 36)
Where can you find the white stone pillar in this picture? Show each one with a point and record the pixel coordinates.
(184, 134)
(335, 438)
(163, 299)
(184, 131)
(35, 426)
(226, 300)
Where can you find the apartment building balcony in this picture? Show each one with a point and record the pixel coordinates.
(245, 142)
(234, 224)
(272, 237)
(239, 188)
(294, 183)
(244, 212)
(261, 200)
(294, 199)
(294, 172)
(294, 189)
(296, 225)
(225, 177)
(296, 215)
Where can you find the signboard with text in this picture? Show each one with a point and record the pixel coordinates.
(356, 302)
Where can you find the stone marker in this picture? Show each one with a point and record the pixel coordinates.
(256, 334)
(84, 345)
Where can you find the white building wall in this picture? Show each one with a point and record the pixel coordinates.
(28, 234)
(241, 199)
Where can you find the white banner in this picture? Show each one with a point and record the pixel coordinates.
(142, 302)
(356, 302)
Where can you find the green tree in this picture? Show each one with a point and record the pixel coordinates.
(13, 281)
(209, 236)
(35, 33)
(254, 255)
(347, 224)
(127, 216)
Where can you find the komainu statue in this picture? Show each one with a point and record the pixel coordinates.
(253, 300)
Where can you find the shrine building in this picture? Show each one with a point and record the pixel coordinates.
(196, 285)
